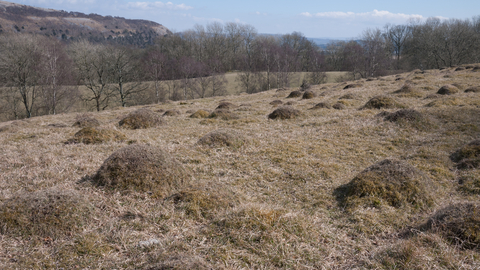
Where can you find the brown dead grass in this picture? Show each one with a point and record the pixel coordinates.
(468, 156)
(200, 114)
(224, 114)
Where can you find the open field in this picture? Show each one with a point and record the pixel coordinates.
(267, 194)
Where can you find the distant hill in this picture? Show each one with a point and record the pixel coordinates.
(15, 18)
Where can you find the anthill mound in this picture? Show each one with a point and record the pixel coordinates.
(223, 137)
(91, 135)
(459, 223)
(382, 102)
(85, 120)
(223, 114)
(408, 91)
(284, 112)
(53, 212)
(226, 105)
(200, 114)
(276, 102)
(141, 118)
(171, 112)
(309, 95)
(142, 168)
(321, 105)
(468, 156)
(473, 89)
(448, 90)
(388, 182)
(339, 106)
(352, 85)
(347, 96)
(406, 115)
(295, 94)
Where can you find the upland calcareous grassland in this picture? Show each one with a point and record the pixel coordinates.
(390, 180)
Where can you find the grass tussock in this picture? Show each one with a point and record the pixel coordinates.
(172, 112)
(276, 102)
(141, 118)
(410, 117)
(85, 120)
(321, 105)
(223, 137)
(295, 94)
(200, 114)
(473, 89)
(284, 112)
(225, 105)
(468, 156)
(142, 168)
(91, 135)
(309, 95)
(223, 114)
(382, 102)
(54, 212)
(352, 85)
(448, 89)
(408, 91)
(389, 182)
(339, 106)
(200, 204)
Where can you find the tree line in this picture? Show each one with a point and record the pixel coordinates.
(42, 75)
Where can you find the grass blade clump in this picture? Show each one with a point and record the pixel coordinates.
(141, 118)
(142, 168)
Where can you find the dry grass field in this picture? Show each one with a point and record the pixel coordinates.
(378, 176)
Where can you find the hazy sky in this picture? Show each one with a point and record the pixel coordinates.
(333, 18)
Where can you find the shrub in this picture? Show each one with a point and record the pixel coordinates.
(295, 94)
(142, 168)
(448, 90)
(321, 105)
(468, 156)
(459, 223)
(171, 112)
(223, 137)
(382, 102)
(353, 85)
(223, 114)
(53, 212)
(309, 95)
(141, 118)
(391, 182)
(276, 102)
(200, 114)
(473, 89)
(91, 135)
(284, 112)
(85, 120)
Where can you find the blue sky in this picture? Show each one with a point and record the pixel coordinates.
(316, 19)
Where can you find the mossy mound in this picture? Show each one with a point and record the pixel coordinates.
(199, 203)
(295, 94)
(352, 85)
(309, 95)
(226, 105)
(91, 135)
(389, 182)
(448, 90)
(408, 91)
(85, 120)
(223, 114)
(459, 223)
(141, 118)
(171, 112)
(53, 212)
(321, 105)
(339, 106)
(200, 114)
(223, 137)
(142, 168)
(473, 89)
(382, 102)
(284, 112)
(276, 102)
(468, 156)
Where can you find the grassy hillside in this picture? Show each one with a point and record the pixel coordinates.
(349, 184)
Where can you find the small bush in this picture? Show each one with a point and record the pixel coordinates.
(223, 137)
(223, 114)
(91, 135)
(382, 102)
(226, 105)
(285, 112)
(353, 85)
(171, 112)
(276, 102)
(459, 223)
(142, 168)
(53, 212)
(200, 114)
(321, 105)
(448, 90)
(309, 95)
(473, 89)
(295, 94)
(391, 182)
(85, 120)
(468, 156)
(141, 118)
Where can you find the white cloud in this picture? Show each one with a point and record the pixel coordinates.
(363, 15)
(157, 5)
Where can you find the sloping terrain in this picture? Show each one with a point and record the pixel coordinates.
(335, 187)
